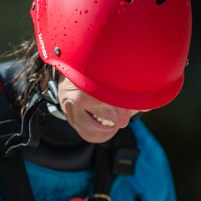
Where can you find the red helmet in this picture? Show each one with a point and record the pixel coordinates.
(130, 54)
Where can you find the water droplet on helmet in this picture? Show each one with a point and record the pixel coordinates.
(159, 2)
(129, 1)
(122, 3)
(118, 11)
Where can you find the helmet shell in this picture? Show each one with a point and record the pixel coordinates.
(127, 54)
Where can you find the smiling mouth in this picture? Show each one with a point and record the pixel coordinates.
(104, 122)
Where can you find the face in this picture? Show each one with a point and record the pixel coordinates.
(94, 121)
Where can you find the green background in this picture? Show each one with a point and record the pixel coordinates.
(177, 126)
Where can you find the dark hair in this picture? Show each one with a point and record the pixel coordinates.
(31, 74)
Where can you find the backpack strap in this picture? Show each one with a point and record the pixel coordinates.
(14, 180)
(8, 123)
(115, 157)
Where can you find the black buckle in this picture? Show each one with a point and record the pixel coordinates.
(99, 197)
(124, 161)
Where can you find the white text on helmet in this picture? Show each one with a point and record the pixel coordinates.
(42, 46)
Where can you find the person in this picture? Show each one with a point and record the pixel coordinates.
(71, 101)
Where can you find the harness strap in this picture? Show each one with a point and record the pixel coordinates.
(14, 181)
(115, 157)
(103, 170)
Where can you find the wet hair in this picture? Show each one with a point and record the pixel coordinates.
(28, 79)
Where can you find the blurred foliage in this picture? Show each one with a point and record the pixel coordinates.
(177, 126)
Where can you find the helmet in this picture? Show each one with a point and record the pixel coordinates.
(129, 54)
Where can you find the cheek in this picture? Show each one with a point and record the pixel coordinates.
(72, 101)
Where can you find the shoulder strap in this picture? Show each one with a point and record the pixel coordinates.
(8, 123)
(116, 157)
(13, 179)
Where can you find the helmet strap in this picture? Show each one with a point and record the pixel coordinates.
(52, 87)
(52, 91)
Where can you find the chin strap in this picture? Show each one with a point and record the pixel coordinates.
(52, 88)
(52, 91)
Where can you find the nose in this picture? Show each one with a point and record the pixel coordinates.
(122, 115)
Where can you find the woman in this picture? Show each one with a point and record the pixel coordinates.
(100, 64)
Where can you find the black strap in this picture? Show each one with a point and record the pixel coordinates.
(13, 179)
(125, 152)
(115, 157)
(103, 169)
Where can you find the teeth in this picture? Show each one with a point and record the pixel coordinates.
(104, 122)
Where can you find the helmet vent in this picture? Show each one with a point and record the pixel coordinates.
(159, 2)
(129, 1)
